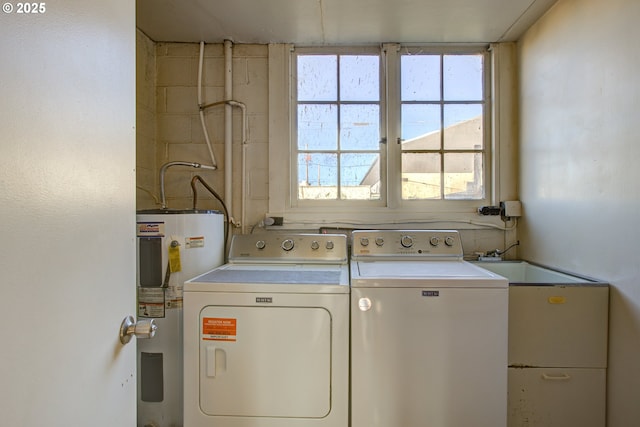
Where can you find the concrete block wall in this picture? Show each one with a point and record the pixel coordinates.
(146, 174)
(179, 134)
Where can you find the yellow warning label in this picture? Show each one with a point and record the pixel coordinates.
(219, 329)
(174, 258)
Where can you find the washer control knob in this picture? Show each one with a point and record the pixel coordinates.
(406, 241)
(260, 244)
(364, 241)
(434, 241)
(449, 241)
(379, 241)
(315, 245)
(329, 245)
(287, 245)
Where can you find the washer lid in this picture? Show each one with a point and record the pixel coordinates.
(423, 274)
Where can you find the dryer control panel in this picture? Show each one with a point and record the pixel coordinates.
(406, 244)
(289, 247)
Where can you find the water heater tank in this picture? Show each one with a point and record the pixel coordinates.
(172, 246)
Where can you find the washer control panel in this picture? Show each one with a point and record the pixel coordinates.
(282, 247)
(406, 243)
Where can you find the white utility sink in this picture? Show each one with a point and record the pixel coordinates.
(524, 272)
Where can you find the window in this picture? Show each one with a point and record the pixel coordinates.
(401, 126)
(442, 117)
(338, 126)
(432, 146)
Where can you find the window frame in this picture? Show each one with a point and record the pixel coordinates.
(391, 209)
(394, 52)
(293, 161)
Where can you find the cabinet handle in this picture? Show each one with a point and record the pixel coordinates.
(561, 377)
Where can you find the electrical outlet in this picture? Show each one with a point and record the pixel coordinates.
(489, 210)
(511, 209)
(273, 220)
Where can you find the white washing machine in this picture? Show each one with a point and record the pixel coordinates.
(266, 338)
(428, 333)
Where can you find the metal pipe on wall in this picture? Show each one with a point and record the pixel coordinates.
(166, 166)
(229, 104)
(200, 103)
(243, 199)
(228, 127)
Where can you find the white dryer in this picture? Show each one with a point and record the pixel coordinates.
(428, 333)
(266, 338)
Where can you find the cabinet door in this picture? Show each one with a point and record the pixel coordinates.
(556, 397)
(558, 326)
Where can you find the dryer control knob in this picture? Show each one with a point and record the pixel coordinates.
(329, 245)
(315, 245)
(364, 241)
(287, 245)
(260, 244)
(449, 241)
(406, 241)
(434, 241)
(379, 241)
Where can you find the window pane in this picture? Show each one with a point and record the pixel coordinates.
(420, 127)
(317, 78)
(317, 176)
(317, 127)
(359, 127)
(463, 176)
(340, 116)
(462, 77)
(359, 78)
(463, 127)
(421, 176)
(420, 77)
(360, 176)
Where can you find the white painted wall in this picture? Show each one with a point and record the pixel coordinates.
(67, 214)
(579, 153)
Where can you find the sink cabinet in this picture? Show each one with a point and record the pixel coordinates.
(557, 356)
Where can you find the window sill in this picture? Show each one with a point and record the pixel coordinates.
(301, 218)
